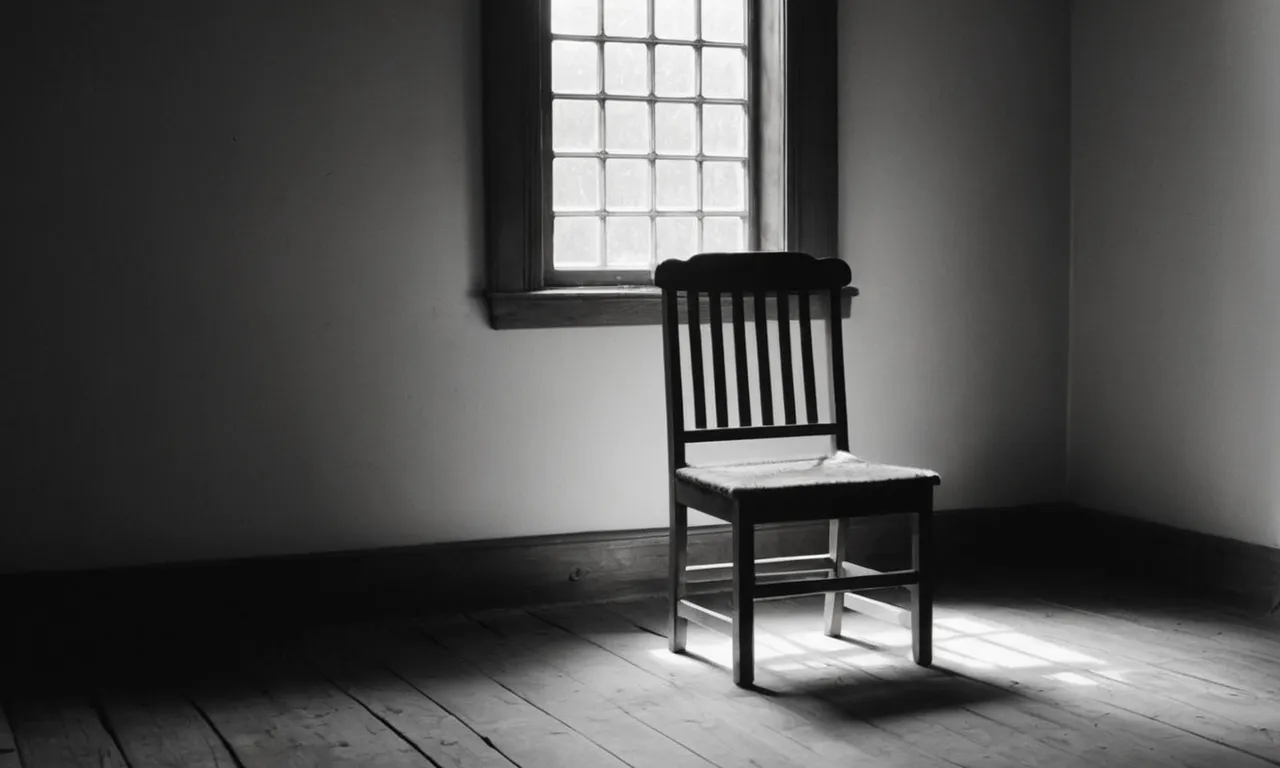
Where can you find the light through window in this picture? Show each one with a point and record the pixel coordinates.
(649, 131)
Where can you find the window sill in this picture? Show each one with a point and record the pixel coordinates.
(604, 306)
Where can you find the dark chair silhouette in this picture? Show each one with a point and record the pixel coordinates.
(834, 487)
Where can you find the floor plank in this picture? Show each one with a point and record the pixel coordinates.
(272, 711)
(909, 708)
(1025, 677)
(8, 747)
(1181, 652)
(440, 735)
(1193, 703)
(1112, 656)
(1162, 610)
(613, 685)
(162, 729)
(1150, 740)
(62, 733)
(1214, 673)
(1144, 696)
(1193, 630)
(982, 734)
(1075, 683)
(564, 697)
(824, 729)
(527, 735)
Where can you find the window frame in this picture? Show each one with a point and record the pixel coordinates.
(791, 160)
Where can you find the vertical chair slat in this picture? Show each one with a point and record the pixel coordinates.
(835, 333)
(671, 367)
(785, 368)
(806, 360)
(762, 358)
(741, 374)
(695, 363)
(717, 359)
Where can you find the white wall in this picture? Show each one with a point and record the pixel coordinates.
(953, 201)
(1175, 333)
(251, 240)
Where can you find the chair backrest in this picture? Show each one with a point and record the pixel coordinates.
(760, 275)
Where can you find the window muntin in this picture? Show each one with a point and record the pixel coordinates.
(650, 119)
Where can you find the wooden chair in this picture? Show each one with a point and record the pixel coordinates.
(833, 488)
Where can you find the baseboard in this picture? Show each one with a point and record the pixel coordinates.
(437, 577)
(543, 570)
(1243, 573)
(534, 570)
(1068, 537)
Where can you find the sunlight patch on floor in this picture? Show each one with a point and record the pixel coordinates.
(786, 666)
(717, 653)
(721, 653)
(892, 638)
(966, 625)
(960, 641)
(962, 660)
(1037, 647)
(777, 645)
(867, 660)
(676, 659)
(1074, 678)
(977, 648)
(1119, 675)
(816, 641)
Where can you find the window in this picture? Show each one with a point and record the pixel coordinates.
(649, 143)
(620, 133)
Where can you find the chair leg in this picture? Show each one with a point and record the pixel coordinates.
(744, 579)
(922, 593)
(678, 556)
(833, 611)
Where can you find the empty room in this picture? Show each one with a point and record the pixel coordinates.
(648, 383)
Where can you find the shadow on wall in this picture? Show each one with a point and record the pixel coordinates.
(250, 229)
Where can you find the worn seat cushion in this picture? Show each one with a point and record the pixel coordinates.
(840, 468)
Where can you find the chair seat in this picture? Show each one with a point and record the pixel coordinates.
(839, 469)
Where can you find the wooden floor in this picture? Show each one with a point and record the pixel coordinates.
(1072, 677)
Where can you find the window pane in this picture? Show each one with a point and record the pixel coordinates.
(677, 184)
(626, 68)
(722, 21)
(576, 241)
(724, 73)
(721, 233)
(628, 241)
(574, 67)
(724, 130)
(626, 18)
(673, 19)
(575, 184)
(626, 126)
(677, 237)
(673, 70)
(627, 185)
(574, 17)
(723, 187)
(575, 126)
(677, 129)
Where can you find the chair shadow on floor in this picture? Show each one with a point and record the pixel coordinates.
(857, 678)
(867, 672)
